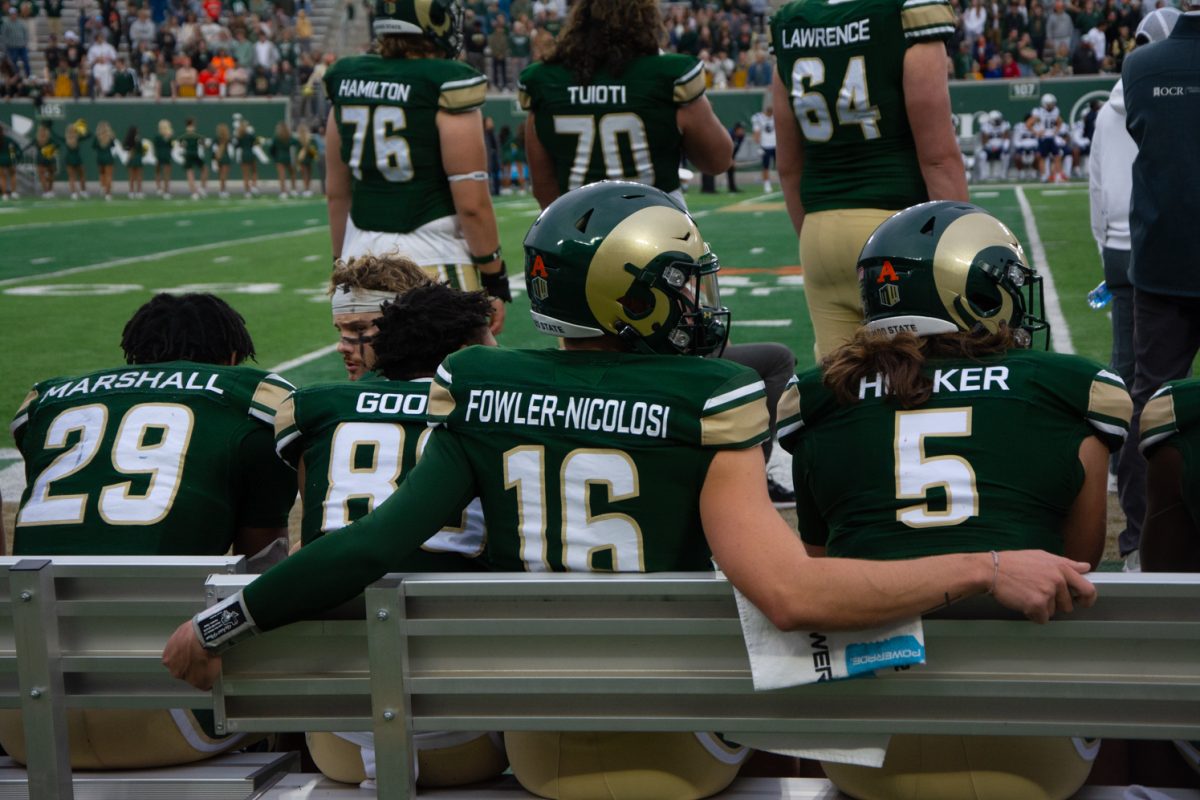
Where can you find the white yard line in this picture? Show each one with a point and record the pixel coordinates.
(181, 211)
(304, 359)
(12, 477)
(1060, 334)
(120, 262)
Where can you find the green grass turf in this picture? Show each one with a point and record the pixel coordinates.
(270, 260)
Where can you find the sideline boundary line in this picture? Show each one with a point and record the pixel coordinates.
(1060, 333)
(300, 361)
(199, 248)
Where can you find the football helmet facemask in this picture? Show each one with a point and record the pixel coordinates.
(944, 266)
(623, 258)
(440, 21)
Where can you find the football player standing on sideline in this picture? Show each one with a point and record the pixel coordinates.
(941, 370)
(763, 124)
(622, 274)
(352, 444)
(171, 455)
(405, 160)
(606, 82)
(863, 126)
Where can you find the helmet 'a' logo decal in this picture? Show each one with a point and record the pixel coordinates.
(888, 273)
(538, 270)
(889, 295)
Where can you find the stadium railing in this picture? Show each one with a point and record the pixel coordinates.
(664, 652)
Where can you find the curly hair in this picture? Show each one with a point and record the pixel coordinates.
(605, 35)
(390, 273)
(426, 324)
(187, 327)
(900, 359)
(406, 45)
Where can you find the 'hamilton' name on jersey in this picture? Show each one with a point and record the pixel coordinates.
(585, 95)
(143, 379)
(374, 90)
(580, 413)
(964, 379)
(851, 33)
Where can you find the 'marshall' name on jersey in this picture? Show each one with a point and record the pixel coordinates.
(374, 90)
(832, 36)
(144, 379)
(505, 407)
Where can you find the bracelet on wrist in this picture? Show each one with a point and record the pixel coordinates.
(223, 625)
(486, 259)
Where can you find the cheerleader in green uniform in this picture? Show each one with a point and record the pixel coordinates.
(163, 142)
(76, 181)
(306, 157)
(104, 144)
(46, 147)
(281, 154)
(9, 155)
(222, 153)
(135, 146)
(246, 142)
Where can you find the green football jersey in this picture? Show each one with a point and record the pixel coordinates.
(594, 461)
(156, 459)
(1172, 418)
(619, 127)
(357, 441)
(386, 110)
(990, 462)
(843, 65)
(583, 460)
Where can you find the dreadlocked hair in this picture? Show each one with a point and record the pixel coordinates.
(390, 273)
(426, 324)
(605, 35)
(187, 327)
(900, 358)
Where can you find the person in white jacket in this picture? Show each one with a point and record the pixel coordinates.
(1110, 181)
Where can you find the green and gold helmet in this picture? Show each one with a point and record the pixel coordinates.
(440, 21)
(622, 258)
(946, 266)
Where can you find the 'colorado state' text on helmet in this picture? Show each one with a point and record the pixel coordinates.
(944, 266)
(622, 258)
(440, 21)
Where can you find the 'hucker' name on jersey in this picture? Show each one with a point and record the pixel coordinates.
(636, 418)
(957, 379)
(374, 90)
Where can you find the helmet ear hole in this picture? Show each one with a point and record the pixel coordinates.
(638, 302)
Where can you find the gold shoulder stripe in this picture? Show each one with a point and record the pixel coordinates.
(1159, 414)
(524, 99)
(926, 16)
(285, 416)
(691, 88)
(789, 403)
(441, 402)
(270, 396)
(463, 98)
(28, 401)
(735, 426)
(1110, 400)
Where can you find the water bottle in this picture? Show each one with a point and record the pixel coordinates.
(1099, 297)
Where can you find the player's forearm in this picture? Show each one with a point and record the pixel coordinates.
(927, 104)
(473, 205)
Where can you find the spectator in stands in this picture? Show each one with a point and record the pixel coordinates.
(1059, 27)
(1084, 62)
(758, 74)
(965, 65)
(11, 82)
(1164, 239)
(189, 31)
(74, 58)
(475, 45)
(16, 41)
(142, 29)
(167, 41)
(103, 75)
(237, 81)
(217, 483)
(124, 80)
(519, 49)
(1008, 66)
(974, 20)
(210, 82)
(266, 54)
(879, 508)
(186, 78)
(1037, 27)
(498, 44)
(1097, 37)
(54, 11)
(304, 31)
(212, 9)
(1122, 45)
(149, 87)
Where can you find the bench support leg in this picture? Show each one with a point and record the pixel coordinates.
(395, 758)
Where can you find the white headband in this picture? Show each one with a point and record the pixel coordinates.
(355, 300)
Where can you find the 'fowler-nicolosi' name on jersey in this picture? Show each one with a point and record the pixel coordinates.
(580, 413)
(832, 36)
(374, 90)
(138, 380)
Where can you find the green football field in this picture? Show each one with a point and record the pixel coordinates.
(71, 274)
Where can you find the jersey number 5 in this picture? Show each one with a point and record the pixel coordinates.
(392, 157)
(917, 474)
(152, 440)
(853, 102)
